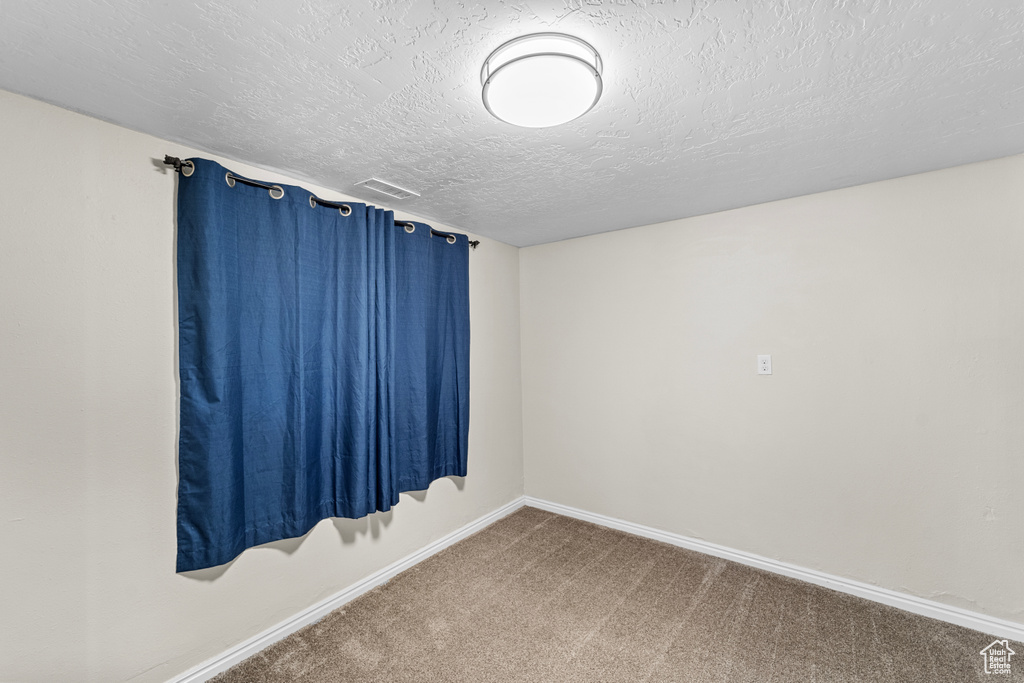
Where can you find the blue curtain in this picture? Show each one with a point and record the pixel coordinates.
(324, 363)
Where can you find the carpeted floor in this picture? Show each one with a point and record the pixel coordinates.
(541, 597)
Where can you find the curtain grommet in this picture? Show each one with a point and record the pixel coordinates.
(279, 189)
(451, 239)
(187, 168)
(229, 179)
(312, 202)
(345, 209)
(409, 227)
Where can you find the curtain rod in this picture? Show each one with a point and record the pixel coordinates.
(187, 168)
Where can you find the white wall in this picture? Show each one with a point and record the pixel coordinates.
(88, 419)
(888, 445)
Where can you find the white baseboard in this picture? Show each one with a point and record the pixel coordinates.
(244, 650)
(909, 603)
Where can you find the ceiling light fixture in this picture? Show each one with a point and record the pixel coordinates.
(541, 80)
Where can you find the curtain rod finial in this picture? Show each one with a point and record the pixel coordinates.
(185, 168)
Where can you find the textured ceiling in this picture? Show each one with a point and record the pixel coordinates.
(707, 105)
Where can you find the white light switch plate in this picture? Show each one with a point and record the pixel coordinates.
(764, 364)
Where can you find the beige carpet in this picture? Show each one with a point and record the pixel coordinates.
(541, 597)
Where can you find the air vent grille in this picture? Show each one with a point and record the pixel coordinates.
(384, 187)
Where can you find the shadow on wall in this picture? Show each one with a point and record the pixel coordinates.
(348, 530)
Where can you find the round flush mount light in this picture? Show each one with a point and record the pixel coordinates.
(541, 80)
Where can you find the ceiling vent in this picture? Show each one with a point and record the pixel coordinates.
(394, 191)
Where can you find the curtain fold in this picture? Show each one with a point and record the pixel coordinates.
(324, 363)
